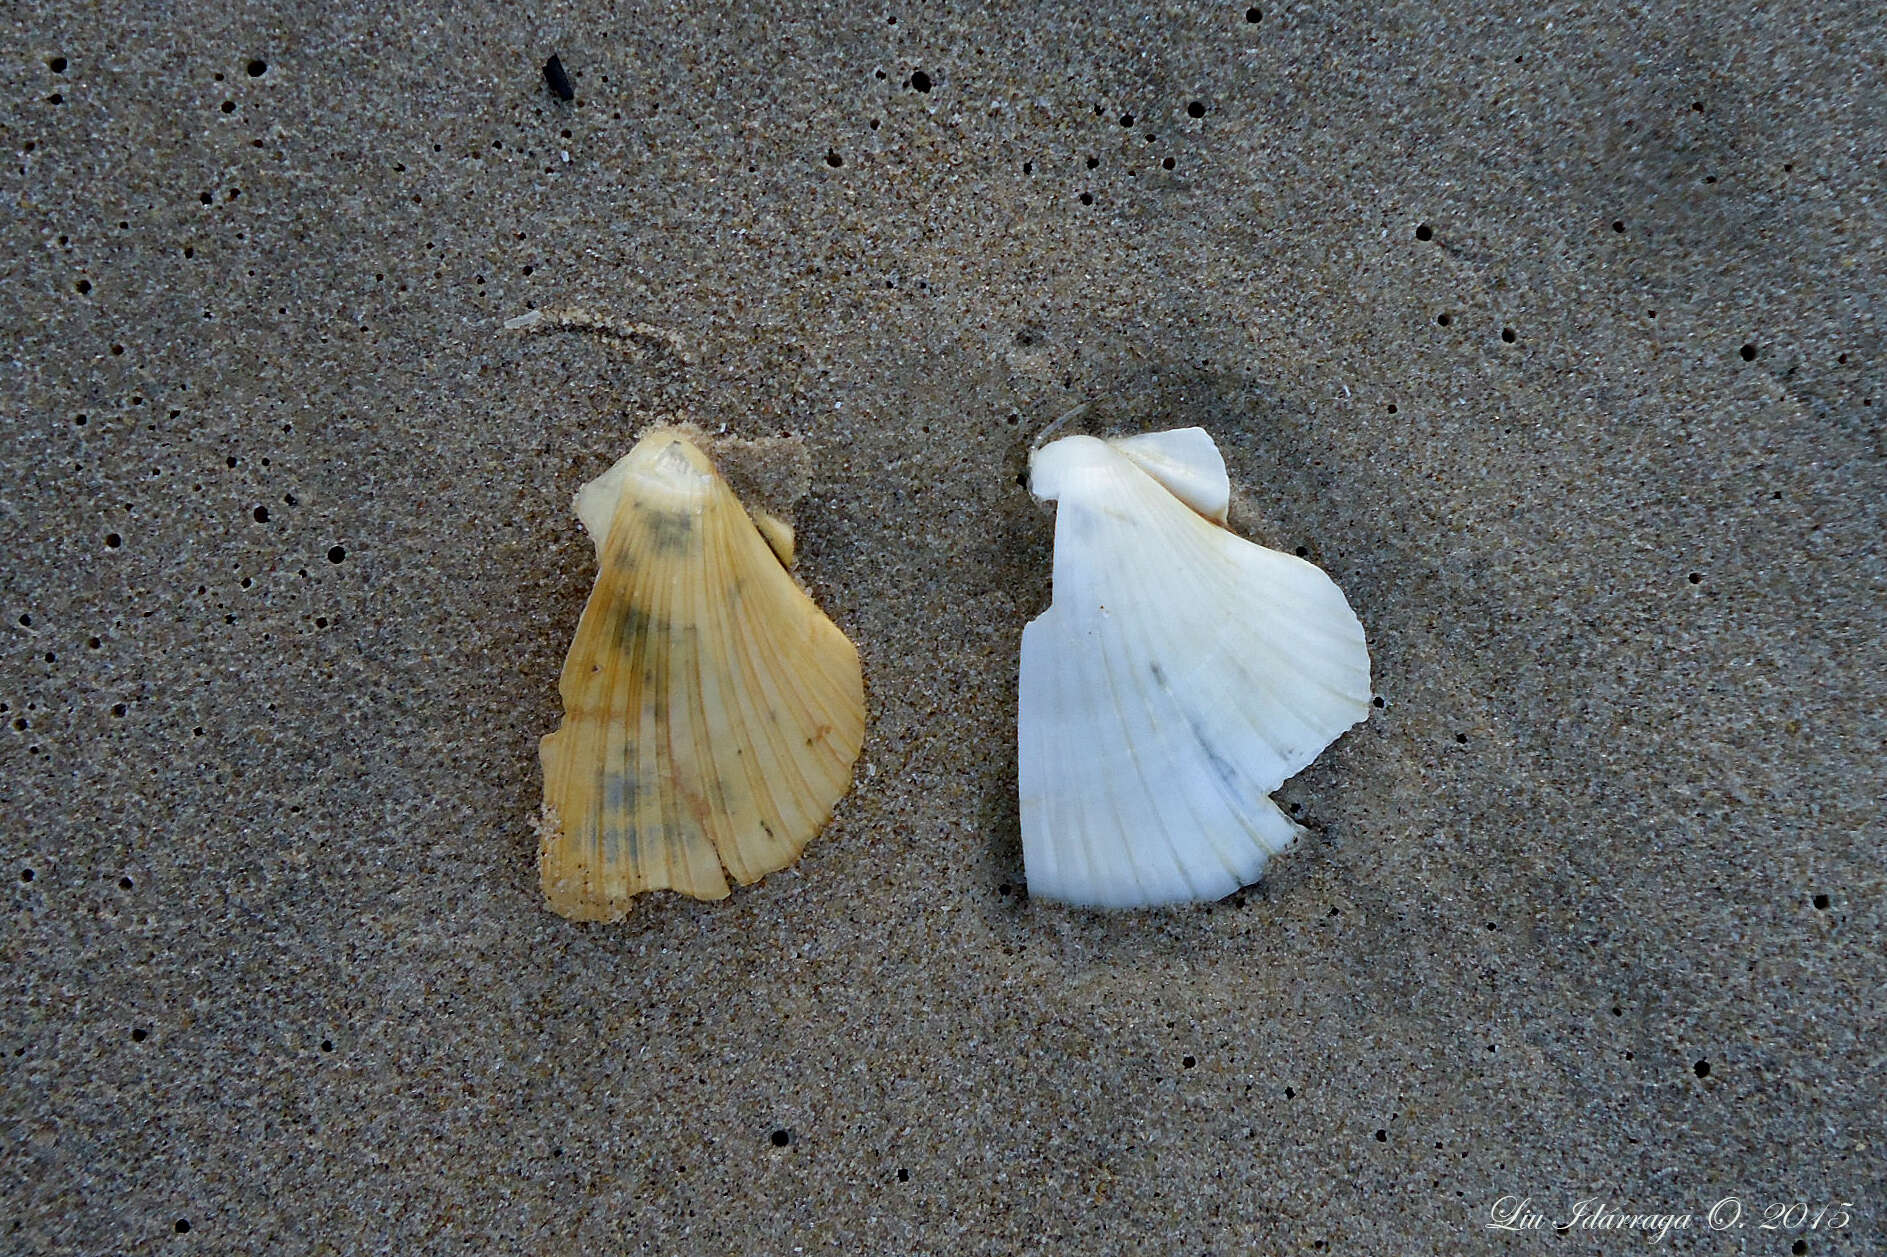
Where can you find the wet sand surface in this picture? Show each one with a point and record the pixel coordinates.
(1554, 338)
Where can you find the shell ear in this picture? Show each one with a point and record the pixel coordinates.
(595, 503)
(712, 713)
(1187, 462)
(778, 534)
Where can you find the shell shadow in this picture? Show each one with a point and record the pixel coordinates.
(1020, 551)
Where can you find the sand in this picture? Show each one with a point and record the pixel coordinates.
(1554, 338)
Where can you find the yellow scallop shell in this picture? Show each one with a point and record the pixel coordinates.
(712, 713)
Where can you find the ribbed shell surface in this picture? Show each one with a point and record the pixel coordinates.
(712, 713)
(1180, 675)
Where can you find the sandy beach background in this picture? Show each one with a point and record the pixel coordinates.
(1553, 334)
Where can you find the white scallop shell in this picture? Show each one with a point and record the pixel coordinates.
(1180, 675)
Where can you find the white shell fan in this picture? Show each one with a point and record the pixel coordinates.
(1180, 675)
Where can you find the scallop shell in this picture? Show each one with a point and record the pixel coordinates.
(712, 713)
(1179, 676)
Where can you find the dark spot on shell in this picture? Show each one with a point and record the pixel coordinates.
(1224, 769)
(620, 791)
(636, 624)
(670, 532)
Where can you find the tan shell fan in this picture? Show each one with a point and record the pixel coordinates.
(712, 713)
